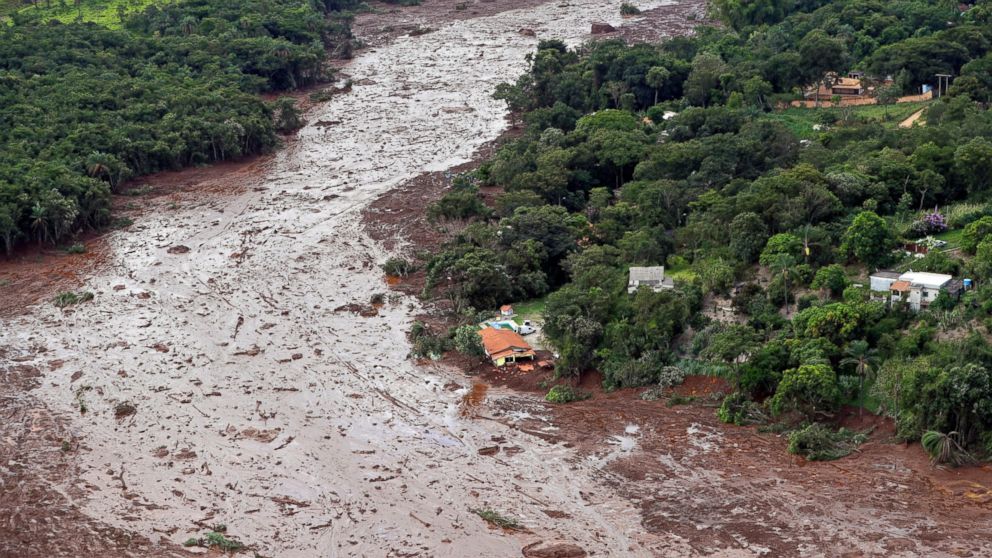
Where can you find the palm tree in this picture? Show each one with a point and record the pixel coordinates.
(786, 265)
(864, 359)
(656, 78)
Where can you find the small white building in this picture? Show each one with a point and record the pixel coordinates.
(916, 288)
(651, 277)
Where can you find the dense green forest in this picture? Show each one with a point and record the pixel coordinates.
(83, 107)
(676, 154)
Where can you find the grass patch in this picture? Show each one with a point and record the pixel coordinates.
(102, 12)
(800, 121)
(817, 442)
(497, 519)
(531, 309)
(680, 272)
(952, 238)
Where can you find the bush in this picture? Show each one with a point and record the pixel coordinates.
(738, 409)
(77, 248)
(629, 9)
(426, 343)
(817, 442)
(563, 393)
(974, 233)
(398, 267)
(945, 449)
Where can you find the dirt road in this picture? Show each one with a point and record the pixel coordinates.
(217, 379)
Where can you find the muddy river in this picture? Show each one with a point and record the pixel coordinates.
(253, 400)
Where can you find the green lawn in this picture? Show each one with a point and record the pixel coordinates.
(103, 12)
(800, 121)
(680, 273)
(952, 238)
(531, 309)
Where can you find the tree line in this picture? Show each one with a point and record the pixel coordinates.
(84, 108)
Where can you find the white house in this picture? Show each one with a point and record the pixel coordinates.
(652, 277)
(916, 288)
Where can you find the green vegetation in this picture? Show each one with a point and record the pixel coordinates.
(807, 123)
(817, 442)
(398, 267)
(676, 154)
(84, 108)
(563, 393)
(68, 298)
(108, 13)
(531, 309)
(216, 539)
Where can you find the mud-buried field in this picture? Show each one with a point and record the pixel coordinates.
(220, 376)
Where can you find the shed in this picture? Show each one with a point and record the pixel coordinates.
(506, 310)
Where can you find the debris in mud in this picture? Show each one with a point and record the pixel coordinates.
(250, 351)
(264, 436)
(556, 550)
(178, 249)
(497, 519)
(124, 409)
(602, 28)
(491, 450)
(527, 32)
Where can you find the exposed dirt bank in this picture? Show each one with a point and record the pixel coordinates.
(250, 400)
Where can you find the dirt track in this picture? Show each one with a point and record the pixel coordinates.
(259, 405)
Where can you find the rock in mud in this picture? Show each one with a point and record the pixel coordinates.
(554, 550)
(178, 249)
(602, 28)
(527, 32)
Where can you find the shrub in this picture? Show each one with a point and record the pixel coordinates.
(738, 409)
(629, 9)
(77, 248)
(817, 442)
(974, 233)
(565, 394)
(426, 343)
(945, 449)
(398, 267)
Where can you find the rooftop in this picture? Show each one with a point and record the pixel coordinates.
(654, 274)
(886, 274)
(498, 341)
(924, 279)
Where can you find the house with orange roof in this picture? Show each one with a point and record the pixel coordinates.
(503, 346)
